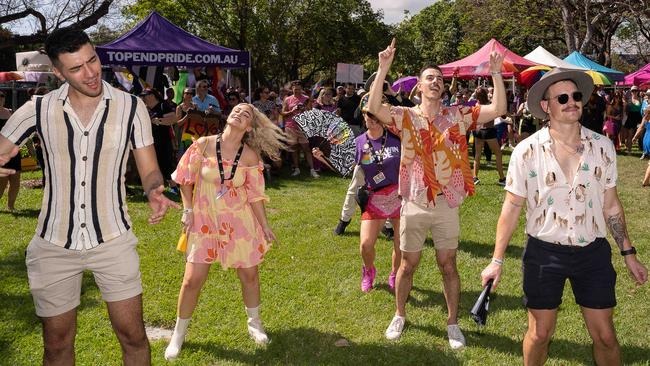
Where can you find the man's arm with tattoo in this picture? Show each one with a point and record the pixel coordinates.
(615, 218)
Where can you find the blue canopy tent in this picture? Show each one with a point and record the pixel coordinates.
(156, 41)
(579, 59)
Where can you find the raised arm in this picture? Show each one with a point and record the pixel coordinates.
(505, 228)
(499, 104)
(615, 219)
(382, 112)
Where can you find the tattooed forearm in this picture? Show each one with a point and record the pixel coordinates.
(616, 225)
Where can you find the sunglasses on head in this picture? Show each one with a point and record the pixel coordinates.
(564, 98)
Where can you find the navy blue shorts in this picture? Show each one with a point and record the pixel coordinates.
(546, 267)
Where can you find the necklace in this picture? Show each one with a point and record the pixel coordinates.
(224, 188)
(568, 148)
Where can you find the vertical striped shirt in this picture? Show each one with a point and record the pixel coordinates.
(84, 193)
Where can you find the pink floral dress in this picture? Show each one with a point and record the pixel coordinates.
(224, 230)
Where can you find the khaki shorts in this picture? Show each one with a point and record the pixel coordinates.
(417, 221)
(55, 273)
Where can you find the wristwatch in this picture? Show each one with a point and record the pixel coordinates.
(628, 251)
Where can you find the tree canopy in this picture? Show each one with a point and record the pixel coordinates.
(304, 39)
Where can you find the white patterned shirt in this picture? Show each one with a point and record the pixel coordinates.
(561, 212)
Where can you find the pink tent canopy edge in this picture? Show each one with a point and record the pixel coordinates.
(467, 66)
(639, 77)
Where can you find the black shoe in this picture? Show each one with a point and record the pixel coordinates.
(340, 228)
(502, 182)
(388, 232)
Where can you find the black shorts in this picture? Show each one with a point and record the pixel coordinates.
(487, 133)
(546, 267)
(633, 120)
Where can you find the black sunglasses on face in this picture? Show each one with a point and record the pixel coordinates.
(564, 98)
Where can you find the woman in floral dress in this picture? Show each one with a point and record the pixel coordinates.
(222, 187)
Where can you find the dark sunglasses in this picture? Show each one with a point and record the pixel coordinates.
(564, 98)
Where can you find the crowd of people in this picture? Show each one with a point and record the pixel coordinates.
(412, 172)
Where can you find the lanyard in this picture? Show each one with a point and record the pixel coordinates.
(378, 156)
(235, 162)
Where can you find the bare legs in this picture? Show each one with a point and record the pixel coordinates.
(541, 326)
(369, 232)
(126, 318)
(494, 146)
(14, 186)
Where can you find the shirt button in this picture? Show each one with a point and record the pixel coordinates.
(86, 133)
(83, 184)
(83, 225)
(84, 158)
(571, 228)
(83, 205)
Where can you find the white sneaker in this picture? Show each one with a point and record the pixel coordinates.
(296, 172)
(314, 174)
(174, 347)
(394, 330)
(456, 337)
(256, 331)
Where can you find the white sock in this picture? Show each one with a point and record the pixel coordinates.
(178, 337)
(253, 312)
(255, 327)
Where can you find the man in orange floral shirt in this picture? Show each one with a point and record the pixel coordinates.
(434, 178)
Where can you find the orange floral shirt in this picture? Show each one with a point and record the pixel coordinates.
(434, 153)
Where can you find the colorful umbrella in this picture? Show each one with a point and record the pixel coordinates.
(599, 78)
(407, 83)
(532, 75)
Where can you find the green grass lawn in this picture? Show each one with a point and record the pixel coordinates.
(310, 290)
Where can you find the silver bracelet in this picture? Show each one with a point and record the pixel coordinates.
(495, 72)
(187, 210)
(497, 261)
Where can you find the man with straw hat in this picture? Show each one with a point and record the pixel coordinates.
(566, 175)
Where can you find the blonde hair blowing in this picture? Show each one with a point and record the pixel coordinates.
(265, 138)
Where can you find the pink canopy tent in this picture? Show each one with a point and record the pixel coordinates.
(477, 64)
(638, 78)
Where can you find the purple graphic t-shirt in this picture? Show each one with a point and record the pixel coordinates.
(378, 159)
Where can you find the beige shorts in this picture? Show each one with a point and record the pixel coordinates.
(417, 221)
(295, 136)
(55, 273)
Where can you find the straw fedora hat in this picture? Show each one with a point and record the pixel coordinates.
(583, 82)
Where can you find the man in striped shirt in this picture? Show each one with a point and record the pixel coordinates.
(87, 129)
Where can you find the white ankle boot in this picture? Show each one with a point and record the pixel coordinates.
(178, 337)
(255, 327)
